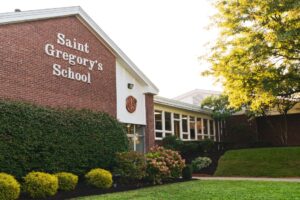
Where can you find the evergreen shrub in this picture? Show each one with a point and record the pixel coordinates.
(35, 138)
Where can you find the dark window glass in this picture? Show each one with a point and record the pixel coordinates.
(205, 127)
(158, 134)
(168, 126)
(211, 127)
(199, 126)
(184, 123)
(158, 120)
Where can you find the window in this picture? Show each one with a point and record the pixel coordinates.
(211, 128)
(192, 128)
(168, 122)
(158, 124)
(199, 128)
(158, 120)
(205, 126)
(184, 124)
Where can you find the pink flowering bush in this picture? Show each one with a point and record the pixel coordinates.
(163, 163)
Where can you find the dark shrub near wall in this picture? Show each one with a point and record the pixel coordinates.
(34, 138)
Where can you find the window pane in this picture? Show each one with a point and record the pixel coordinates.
(211, 127)
(192, 130)
(177, 128)
(158, 134)
(176, 116)
(199, 126)
(205, 127)
(158, 120)
(185, 136)
(184, 123)
(168, 126)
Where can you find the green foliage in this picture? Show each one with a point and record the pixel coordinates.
(66, 181)
(219, 106)
(99, 178)
(187, 172)
(256, 56)
(9, 187)
(200, 163)
(130, 166)
(44, 139)
(172, 142)
(163, 163)
(40, 185)
(266, 162)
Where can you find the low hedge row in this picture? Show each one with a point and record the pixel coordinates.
(34, 138)
(39, 185)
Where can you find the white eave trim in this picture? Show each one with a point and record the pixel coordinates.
(180, 105)
(17, 17)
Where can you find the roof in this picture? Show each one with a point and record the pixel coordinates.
(196, 92)
(18, 17)
(181, 105)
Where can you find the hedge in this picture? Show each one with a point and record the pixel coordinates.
(34, 138)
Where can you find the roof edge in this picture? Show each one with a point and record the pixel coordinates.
(181, 105)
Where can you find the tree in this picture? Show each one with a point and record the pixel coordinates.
(257, 55)
(219, 106)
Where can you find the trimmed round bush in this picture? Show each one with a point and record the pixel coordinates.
(66, 181)
(200, 163)
(99, 178)
(187, 172)
(40, 184)
(9, 187)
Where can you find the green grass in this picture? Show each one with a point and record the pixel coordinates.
(211, 190)
(265, 162)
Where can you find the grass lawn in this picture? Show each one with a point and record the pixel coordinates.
(268, 162)
(223, 190)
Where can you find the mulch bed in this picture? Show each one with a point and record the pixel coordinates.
(83, 189)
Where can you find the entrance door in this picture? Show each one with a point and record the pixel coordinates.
(136, 137)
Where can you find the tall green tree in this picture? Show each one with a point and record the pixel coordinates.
(257, 55)
(219, 106)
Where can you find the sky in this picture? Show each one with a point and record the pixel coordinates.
(164, 38)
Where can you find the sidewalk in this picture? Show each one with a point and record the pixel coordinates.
(249, 179)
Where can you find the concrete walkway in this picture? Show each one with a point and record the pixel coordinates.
(249, 179)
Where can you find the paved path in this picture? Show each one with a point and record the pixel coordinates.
(249, 179)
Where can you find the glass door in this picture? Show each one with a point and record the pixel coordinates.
(136, 137)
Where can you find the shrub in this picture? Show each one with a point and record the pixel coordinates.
(66, 181)
(172, 142)
(52, 140)
(200, 163)
(9, 187)
(99, 178)
(207, 145)
(163, 163)
(40, 184)
(130, 166)
(187, 172)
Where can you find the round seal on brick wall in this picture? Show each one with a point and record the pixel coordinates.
(131, 104)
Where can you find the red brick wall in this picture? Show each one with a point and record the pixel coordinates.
(26, 70)
(272, 130)
(150, 141)
(240, 130)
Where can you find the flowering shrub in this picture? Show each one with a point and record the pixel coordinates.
(163, 163)
(200, 163)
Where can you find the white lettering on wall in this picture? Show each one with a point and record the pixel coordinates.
(72, 59)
